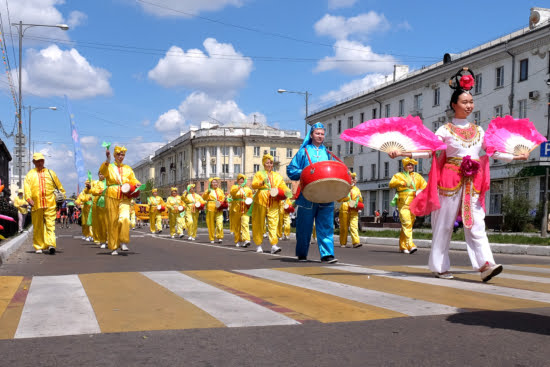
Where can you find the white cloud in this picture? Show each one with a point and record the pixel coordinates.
(170, 122)
(361, 59)
(76, 18)
(88, 140)
(337, 4)
(349, 89)
(54, 72)
(187, 8)
(219, 72)
(340, 28)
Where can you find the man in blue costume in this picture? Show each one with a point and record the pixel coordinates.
(308, 212)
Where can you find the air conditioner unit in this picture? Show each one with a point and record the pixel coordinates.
(534, 94)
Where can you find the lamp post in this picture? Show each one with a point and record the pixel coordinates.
(21, 28)
(306, 94)
(544, 229)
(30, 112)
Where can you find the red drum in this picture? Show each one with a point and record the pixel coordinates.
(289, 208)
(360, 206)
(218, 204)
(223, 205)
(325, 182)
(199, 205)
(129, 190)
(181, 208)
(277, 193)
(161, 208)
(248, 201)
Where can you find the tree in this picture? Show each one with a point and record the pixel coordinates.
(516, 213)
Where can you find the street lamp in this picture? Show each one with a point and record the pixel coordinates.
(30, 111)
(21, 28)
(306, 94)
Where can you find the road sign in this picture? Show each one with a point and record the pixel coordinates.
(545, 149)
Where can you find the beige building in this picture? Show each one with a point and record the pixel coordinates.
(214, 150)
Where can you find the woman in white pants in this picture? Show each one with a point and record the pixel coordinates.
(461, 178)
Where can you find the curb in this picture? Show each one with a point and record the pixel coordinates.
(13, 245)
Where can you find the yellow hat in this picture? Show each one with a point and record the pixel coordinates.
(241, 176)
(266, 157)
(37, 156)
(154, 190)
(407, 161)
(120, 149)
(353, 175)
(213, 178)
(190, 186)
(19, 191)
(174, 189)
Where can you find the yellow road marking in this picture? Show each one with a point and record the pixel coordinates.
(316, 305)
(13, 293)
(133, 302)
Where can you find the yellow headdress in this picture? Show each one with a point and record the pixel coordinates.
(353, 175)
(266, 157)
(120, 149)
(241, 176)
(190, 186)
(174, 189)
(154, 190)
(407, 161)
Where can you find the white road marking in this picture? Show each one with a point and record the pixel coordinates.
(527, 278)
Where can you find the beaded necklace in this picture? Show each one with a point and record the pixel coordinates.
(468, 136)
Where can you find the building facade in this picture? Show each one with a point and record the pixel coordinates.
(512, 78)
(214, 150)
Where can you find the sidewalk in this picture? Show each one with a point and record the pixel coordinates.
(11, 245)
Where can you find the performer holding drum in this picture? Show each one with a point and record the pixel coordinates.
(286, 207)
(214, 209)
(317, 184)
(195, 204)
(156, 207)
(349, 215)
(175, 206)
(99, 216)
(242, 199)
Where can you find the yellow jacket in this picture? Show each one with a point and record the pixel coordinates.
(238, 195)
(191, 199)
(116, 175)
(39, 187)
(172, 204)
(96, 190)
(211, 196)
(84, 198)
(263, 181)
(21, 205)
(403, 183)
(153, 202)
(353, 195)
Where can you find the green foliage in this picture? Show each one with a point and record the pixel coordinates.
(516, 213)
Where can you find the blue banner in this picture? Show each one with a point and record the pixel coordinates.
(78, 159)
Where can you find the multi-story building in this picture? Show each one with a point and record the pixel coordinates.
(513, 78)
(214, 150)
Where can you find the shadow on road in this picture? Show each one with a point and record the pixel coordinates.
(518, 321)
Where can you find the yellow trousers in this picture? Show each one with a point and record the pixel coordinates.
(214, 222)
(118, 221)
(86, 229)
(241, 227)
(43, 221)
(191, 222)
(349, 222)
(180, 224)
(284, 225)
(175, 223)
(259, 215)
(407, 222)
(99, 221)
(133, 220)
(155, 221)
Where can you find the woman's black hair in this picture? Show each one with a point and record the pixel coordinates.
(454, 83)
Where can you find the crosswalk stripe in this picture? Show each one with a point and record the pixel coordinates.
(10, 316)
(299, 303)
(404, 305)
(55, 306)
(232, 310)
(133, 302)
(531, 269)
(469, 286)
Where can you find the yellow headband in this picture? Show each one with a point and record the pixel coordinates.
(266, 157)
(212, 179)
(154, 190)
(407, 161)
(120, 149)
(174, 189)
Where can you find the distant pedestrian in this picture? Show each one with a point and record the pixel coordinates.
(395, 215)
(377, 216)
(22, 209)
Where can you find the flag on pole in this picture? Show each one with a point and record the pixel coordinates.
(78, 159)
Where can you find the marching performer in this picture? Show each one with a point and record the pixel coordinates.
(459, 178)
(21, 204)
(349, 215)
(132, 214)
(117, 205)
(40, 184)
(214, 198)
(155, 215)
(84, 199)
(239, 211)
(408, 184)
(172, 205)
(307, 211)
(283, 230)
(99, 215)
(192, 213)
(265, 206)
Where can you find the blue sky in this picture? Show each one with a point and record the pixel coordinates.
(138, 72)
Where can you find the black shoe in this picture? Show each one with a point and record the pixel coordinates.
(302, 259)
(329, 259)
(413, 250)
(51, 250)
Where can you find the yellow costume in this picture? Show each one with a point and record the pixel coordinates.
(349, 216)
(155, 216)
(266, 206)
(132, 214)
(21, 204)
(238, 212)
(192, 213)
(407, 185)
(214, 216)
(117, 205)
(99, 215)
(39, 187)
(84, 199)
(172, 204)
(283, 230)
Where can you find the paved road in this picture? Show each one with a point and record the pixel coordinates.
(176, 302)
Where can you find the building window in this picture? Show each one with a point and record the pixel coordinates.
(362, 118)
(203, 152)
(256, 168)
(338, 150)
(522, 108)
(386, 169)
(273, 152)
(420, 165)
(523, 69)
(339, 126)
(498, 111)
(225, 151)
(213, 169)
(237, 151)
(499, 77)
(436, 96)
(479, 84)
(436, 125)
(289, 152)
(329, 131)
(387, 110)
(372, 202)
(477, 117)
(350, 122)
(213, 151)
(374, 112)
(400, 165)
(386, 200)
(360, 173)
(225, 168)
(349, 147)
(237, 168)
(373, 171)
(521, 188)
(418, 103)
(256, 151)
(495, 198)
(202, 186)
(360, 148)
(401, 107)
